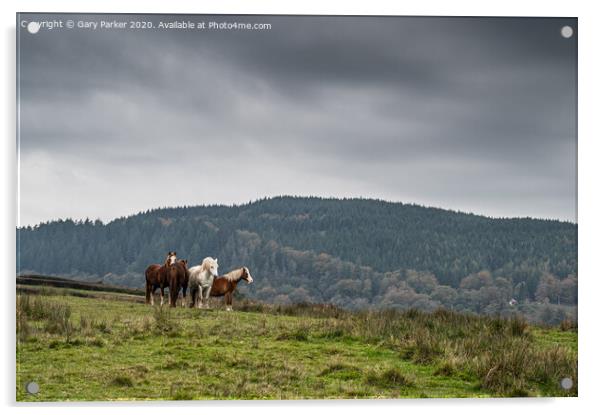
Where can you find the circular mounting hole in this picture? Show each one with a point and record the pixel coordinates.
(566, 383)
(566, 32)
(32, 387)
(33, 27)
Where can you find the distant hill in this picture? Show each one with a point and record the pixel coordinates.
(352, 252)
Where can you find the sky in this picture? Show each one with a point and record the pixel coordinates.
(470, 114)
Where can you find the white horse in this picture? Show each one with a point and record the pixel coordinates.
(200, 282)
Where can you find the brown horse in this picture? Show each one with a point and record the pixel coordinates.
(157, 277)
(178, 276)
(225, 285)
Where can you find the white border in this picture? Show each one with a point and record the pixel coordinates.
(590, 207)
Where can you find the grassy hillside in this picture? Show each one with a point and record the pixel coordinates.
(354, 253)
(90, 345)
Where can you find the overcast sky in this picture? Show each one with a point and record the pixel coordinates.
(471, 114)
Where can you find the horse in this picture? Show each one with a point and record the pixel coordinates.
(201, 280)
(177, 276)
(225, 285)
(156, 277)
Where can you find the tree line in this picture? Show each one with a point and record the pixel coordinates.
(351, 252)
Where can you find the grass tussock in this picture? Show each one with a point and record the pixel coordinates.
(56, 317)
(568, 325)
(123, 381)
(446, 368)
(299, 334)
(341, 370)
(164, 322)
(389, 378)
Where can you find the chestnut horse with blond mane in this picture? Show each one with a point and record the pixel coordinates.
(157, 277)
(225, 285)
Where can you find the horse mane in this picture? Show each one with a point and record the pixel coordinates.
(234, 275)
(205, 263)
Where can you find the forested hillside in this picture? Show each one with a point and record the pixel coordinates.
(354, 253)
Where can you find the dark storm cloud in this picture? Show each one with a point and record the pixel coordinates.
(471, 114)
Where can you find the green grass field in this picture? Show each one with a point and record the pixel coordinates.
(78, 346)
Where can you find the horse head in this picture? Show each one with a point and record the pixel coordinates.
(246, 275)
(210, 264)
(171, 258)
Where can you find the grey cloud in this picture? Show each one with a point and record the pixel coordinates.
(477, 114)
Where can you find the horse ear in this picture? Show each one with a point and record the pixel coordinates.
(216, 260)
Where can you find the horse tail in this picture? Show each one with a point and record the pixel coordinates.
(148, 284)
(148, 292)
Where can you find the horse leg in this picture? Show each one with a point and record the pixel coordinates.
(228, 300)
(191, 297)
(173, 294)
(202, 297)
(162, 294)
(207, 297)
(184, 289)
(152, 295)
(176, 292)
